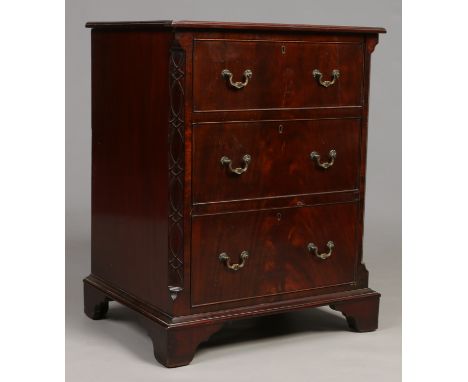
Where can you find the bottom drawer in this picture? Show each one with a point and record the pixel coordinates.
(275, 251)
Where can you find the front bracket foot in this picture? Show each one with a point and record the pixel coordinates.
(362, 315)
(176, 346)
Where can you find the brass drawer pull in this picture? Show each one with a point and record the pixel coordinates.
(238, 170)
(235, 267)
(311, 247)
(314, 155)
(318, 76)
(238, 85)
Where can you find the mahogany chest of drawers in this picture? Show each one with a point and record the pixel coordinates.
(228, 174)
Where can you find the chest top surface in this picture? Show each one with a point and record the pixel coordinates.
(231, 26)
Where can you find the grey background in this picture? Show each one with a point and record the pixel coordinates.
(301, 346)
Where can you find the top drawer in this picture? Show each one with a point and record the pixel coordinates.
(282, 74)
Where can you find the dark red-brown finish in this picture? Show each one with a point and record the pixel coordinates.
(130, 114)
(362, 315)
(281, 163)
(96, 302)
(299, 200)
(164, 207)
(176, 346)
(278, 261)
(226, 26)
(288, 83)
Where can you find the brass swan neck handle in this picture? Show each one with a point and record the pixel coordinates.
(311, 247)
(224, 257)
(314, 155)
(318, 76)
(226, 73)
(238, 170)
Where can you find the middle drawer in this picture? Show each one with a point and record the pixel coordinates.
(247, 160)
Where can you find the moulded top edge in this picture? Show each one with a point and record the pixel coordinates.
(211, 25)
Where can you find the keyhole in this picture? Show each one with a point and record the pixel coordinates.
(283, 49)
(280, 129)
(278, 216)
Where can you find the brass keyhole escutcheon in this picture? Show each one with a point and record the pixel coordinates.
(280, 129)
(283, 49)
(279, 216)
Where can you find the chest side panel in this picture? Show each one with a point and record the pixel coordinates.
(130, 114)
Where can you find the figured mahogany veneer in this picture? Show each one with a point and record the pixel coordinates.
(288, 83)
(279, 261)
(190, 241)
(280, 158)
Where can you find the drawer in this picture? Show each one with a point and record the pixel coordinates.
(279, 160)
(280, 257)
(282, 74)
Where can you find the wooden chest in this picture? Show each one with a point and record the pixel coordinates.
(228, 174)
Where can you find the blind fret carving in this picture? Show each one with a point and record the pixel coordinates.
(176, 170)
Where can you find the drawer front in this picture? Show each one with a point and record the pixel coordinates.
(280, 158)
(280, 258)
(282, 75)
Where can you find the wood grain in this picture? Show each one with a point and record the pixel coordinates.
(276, 241)
(163, 207)
(241, 26)
(175, 339)
(130, 162)
(280, 158)
(288, 83)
